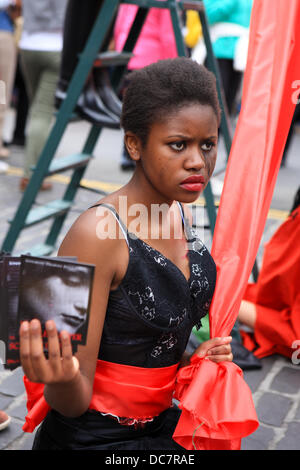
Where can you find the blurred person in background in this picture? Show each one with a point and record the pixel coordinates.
(9, 11)
(40, 50)
(229, 22)
(20, 97)
(97, 102)
(271, 306)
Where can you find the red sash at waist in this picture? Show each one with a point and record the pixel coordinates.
(133, 392)
(121, 390)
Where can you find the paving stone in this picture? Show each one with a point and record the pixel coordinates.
(5, 401)
(287, 380)
(13, 384)
(9, 434)
(297, 415)
(27, 441)
(255, 377)
(259, 440)
(291, 440)
(272, 408)
(19, 411)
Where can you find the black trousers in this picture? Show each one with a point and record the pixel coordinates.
(93, 431)
(79, 20)
(296, 118)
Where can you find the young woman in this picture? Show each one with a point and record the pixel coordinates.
(154, 279)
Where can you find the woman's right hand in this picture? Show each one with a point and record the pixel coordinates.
(60, 367)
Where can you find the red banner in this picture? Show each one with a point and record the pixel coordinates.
(217, 406)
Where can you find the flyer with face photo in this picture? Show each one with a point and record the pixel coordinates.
(3, 328)
(56, 289)
(9, 294)
(45, 288)
(3, 314)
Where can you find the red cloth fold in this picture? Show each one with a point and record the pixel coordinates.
(37, 406)
(213, 409)
(267, 109)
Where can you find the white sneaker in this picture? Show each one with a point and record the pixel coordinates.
(3, 167)
(216, 186)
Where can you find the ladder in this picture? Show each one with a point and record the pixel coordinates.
(26, 214)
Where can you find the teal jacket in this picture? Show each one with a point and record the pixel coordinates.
(228, 11)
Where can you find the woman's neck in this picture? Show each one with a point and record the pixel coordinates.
(140, 191)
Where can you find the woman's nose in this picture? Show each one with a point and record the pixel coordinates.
(81, 309)
(195, 160)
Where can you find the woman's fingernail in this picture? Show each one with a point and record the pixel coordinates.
(64, 335)
(24, 326)
(227, 338)
(49, 325)
(34, 325)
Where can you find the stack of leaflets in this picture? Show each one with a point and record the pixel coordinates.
(45, 288)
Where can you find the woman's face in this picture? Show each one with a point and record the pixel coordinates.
(64, 300)
(180, 154)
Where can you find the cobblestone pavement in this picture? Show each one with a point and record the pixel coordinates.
(275, 388)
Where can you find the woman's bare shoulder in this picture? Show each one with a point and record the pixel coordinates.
(94, 234)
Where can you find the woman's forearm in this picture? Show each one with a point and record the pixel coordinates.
(247, 313)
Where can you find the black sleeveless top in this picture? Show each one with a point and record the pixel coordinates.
(150, 315)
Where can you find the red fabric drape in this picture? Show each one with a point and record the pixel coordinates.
(216, 402)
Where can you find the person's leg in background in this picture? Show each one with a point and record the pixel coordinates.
(231, 80)
(98, 102)
(41, 73)
(7, 75)
(22, 106)
(79, 20)
(296, 118)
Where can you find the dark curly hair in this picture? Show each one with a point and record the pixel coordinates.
(161, 88)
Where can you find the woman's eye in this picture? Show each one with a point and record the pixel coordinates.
(72, 281)
(207, 146)
(178, 146)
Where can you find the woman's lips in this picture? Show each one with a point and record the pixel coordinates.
(72, 320)
(193, 183)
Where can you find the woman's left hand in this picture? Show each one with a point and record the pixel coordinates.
(216, 349)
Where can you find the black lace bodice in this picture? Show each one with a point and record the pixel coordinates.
(150, 315)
